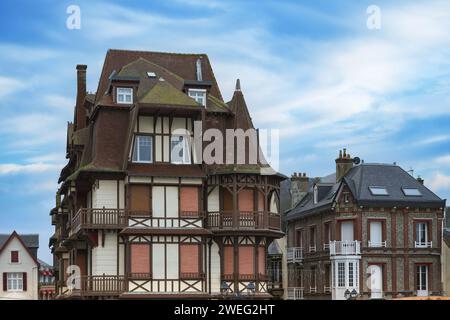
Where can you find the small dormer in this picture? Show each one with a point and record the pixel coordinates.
(316, 194)
(198, 89)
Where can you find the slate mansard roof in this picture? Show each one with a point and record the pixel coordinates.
(358, 180)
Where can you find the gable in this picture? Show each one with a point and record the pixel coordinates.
(14, 243)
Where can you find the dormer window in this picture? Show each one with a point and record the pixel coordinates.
(198, 95)
(125, 95)
(316, 194)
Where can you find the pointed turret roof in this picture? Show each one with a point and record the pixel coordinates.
(238, 106)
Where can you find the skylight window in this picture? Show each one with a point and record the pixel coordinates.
(411, 192)
(378, 191)
(151, 74)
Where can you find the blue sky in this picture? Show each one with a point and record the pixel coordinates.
(312, 69)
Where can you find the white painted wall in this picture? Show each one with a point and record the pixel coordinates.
(26, 264)
(213, 200)
(104, 258)
(158, 266)
(106, 194)
(172, 261)
(215, 268)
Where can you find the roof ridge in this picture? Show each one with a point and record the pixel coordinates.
(159, 52)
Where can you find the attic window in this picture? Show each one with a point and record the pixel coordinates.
(125, 95)
(378, 191)
(316, 194)
(198, 95)
(411, 192)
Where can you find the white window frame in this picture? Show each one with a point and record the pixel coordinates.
(128, 93)
(418, 241)
(422, 283)
(185, 147)
(195, 94)
(14, 281)
(340, 275)
(136, 149)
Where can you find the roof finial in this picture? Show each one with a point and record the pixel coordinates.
(238, 85)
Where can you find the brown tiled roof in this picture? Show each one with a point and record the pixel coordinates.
(183, 65)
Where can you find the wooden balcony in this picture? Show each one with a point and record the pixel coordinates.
(247, 220)
(98, 219)
(191, 220)
(99, 286)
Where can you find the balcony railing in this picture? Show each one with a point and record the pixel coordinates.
(345, 248)
(295, 293)
(294, 255)
(244, 220)
(88, 218)
(373, 244)
(327, 289)
(101, 285)
(146, 220)
(421, 244)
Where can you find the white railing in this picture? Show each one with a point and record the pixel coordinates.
(312, 289)
(295, 293)
(419, 244)
(381, 244)
(312, 249)
(345, 248)
(294, 254)
(326, 289)
(326, 246)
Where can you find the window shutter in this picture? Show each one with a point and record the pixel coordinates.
(24, 281)
(5, 281)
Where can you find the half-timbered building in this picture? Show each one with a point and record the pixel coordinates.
(138, 214)
(366, 231)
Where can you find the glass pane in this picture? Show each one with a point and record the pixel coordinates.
(145, 148)
(411, 192)
(176, 149)
(378, 191)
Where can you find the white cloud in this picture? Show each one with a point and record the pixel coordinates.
(443, 160)
(434, 139)
(14, 168)
(9, 85)
(439, 182)
(59, 102)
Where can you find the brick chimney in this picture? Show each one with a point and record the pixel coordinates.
(420, 180)
(80, 111)
(299, 187)
(343, 164)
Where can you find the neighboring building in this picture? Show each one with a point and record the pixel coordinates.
(446, 254)
(135, 213)
(368, 231)
(46, 281)
(19, 266)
